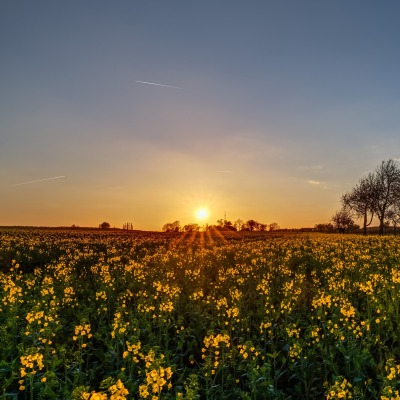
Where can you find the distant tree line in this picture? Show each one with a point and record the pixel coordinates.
(222, 225)
(375, 195)
(128, 226)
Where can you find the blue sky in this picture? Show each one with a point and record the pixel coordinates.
(279, 108)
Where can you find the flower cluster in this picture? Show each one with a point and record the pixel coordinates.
(156, 380)
(341, 389)
(42, 325)
(116, 391)
(82, 332)
(133, 351)
(119, 326)
(12, 292)
(213, 350)
(390, 390)
(31, 364)
(248, 350)
(158, 377)
(389, 393)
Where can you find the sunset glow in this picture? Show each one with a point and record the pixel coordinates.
(201, 214)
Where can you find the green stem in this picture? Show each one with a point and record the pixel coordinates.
(31, 386)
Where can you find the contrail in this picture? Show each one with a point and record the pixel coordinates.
(226, 172)
(39, 180)
(158, 84)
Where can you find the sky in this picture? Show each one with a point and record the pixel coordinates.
(265, 110)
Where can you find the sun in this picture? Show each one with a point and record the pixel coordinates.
(201, 213)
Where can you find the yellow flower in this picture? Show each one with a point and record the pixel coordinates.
(143, 391)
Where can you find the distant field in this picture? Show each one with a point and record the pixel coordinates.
(115, 315)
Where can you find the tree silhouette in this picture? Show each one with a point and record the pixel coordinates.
(326, 228)
(386, 190)
(362, 200)
(251, 225)
(343, 221)
(172, 227)
(191, 228)
(128, 226)
(393, 216)
(225, 225)
(273, 227)
(238, 224)
(377, 194)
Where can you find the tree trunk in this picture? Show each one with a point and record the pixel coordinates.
(365, 225)
(381, 226)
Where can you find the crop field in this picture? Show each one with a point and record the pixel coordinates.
(131, 315)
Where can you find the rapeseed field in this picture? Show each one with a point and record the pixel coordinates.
(206, 315)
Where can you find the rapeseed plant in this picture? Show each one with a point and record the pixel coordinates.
(248, 314)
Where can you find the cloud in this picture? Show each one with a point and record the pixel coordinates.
(317, 183)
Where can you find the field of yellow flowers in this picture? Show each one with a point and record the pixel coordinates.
(113, 315)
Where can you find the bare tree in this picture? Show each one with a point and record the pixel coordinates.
(362, 200)
(386, 190)
(343, 221)
(393, 216)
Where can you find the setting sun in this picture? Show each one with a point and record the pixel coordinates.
(201, 213)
